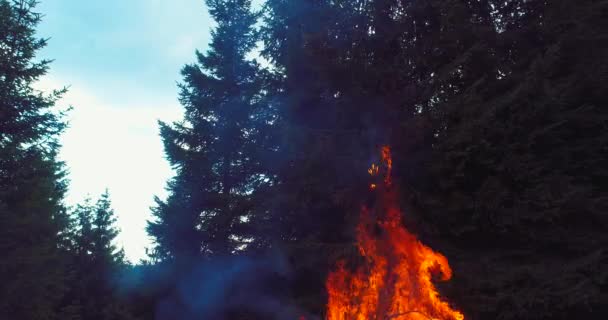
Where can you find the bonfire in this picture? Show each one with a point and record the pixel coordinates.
(395, 279)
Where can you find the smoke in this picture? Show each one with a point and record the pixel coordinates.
(236, 287)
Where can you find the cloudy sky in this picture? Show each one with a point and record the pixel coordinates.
(121, 60)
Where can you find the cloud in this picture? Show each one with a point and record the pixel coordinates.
(121, 60)
(114, 146)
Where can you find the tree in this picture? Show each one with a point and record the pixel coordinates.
(518, 168)
(104, 235)
(492, 109)
(218, 148)
(95, 232)
(97, 264)
(352, 76)
(32, 184)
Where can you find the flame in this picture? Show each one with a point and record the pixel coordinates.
(395, 279)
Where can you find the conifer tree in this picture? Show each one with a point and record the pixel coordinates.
(97, 263)
(105, 250)
(493, 110)
(218, 148)
(520, 164)
(32, 185)
(374, 73)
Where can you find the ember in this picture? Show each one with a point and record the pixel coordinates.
(395, 279)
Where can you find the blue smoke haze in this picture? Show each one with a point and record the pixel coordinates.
(236, 287)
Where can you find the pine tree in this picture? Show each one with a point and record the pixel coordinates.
(95, 232)
(374, 74)
(219, 147)
(519, 164)
(341, 79)
(96, 265)
(32, 185)
(105, 250)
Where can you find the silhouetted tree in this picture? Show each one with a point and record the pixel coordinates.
(518, 170)
(493, 111)
(217, 149)
(32, 185)
(454, 87)
(97, 264)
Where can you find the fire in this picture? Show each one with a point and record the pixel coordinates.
(394, 280)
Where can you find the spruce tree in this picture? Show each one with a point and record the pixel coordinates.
(32, 185)
(97, 264)
(374, 74)
(105, 250)
(219, 146)
(520, 166)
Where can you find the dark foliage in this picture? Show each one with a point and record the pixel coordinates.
(494, 111)
(97, 267)
(518, 174)
(32, 217)
(54, 264)
(217, 150)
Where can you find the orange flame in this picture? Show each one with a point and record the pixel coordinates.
(395, 278)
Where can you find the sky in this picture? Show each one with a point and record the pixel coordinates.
(121, 60)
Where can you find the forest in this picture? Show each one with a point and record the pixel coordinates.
(337, 159)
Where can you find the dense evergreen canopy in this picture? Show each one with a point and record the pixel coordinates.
(494, 111)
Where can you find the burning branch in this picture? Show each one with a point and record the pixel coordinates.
(393, 316)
